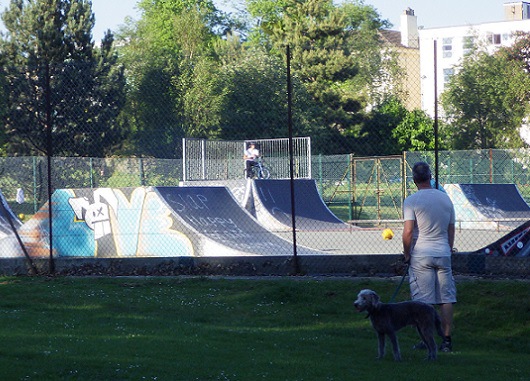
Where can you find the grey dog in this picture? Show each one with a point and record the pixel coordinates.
(388, 318)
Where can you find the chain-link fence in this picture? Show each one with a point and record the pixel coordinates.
(116, 208)
(145, 148)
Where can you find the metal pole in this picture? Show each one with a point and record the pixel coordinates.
(49, 152)
(291, 166)
(435, 116)
(203, 157)
(310, 159)
(34, 184)
(91, 173)
(184, 171)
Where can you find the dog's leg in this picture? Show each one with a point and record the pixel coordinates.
(426, 334)
(431, 344)
(381, 347)
(438, 324)
(395, 346)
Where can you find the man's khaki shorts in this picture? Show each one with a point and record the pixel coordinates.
(431, 280)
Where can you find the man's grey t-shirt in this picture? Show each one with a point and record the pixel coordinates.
(432, 211)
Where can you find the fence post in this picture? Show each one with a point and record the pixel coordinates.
(34, 184)
(142, 178)
(491, 166)
(320, 177)
(471, 169)
(350, 187)
(91, 174)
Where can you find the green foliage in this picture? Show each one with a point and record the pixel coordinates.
(486, 102)
(378, 136)
(519, 51)
(281, 329)
(392, 129)
(415, 132)
(55, 79)
(336, 54)
(173, 88)
(263, 114)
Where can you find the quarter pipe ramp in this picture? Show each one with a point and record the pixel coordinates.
(488, 206)
(272, 206)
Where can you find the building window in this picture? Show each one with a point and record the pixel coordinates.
(468, 44)
(447, 47)
(447, 74)
(495, 39)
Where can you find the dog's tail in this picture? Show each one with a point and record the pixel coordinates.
(438, 324)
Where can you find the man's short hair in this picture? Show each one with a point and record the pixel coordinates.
(421, 172)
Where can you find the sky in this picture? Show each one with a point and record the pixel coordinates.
(431, 13)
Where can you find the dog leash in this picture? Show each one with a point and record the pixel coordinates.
(400, 283)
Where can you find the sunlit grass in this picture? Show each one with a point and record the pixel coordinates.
(226, 329)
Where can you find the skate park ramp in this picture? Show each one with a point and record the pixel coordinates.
(150, 222)
(222, 223)
(240, 188)
(7, 214)
(488, 206)
(271, 205)
(516, 243)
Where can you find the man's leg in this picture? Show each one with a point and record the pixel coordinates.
(248, 164)
(446, 314)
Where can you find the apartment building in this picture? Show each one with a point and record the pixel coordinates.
(450, 44)
(404, 45)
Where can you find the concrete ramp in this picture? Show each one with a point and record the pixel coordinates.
(272, 206)
(221, 225)
(149, 222)
(7, 214)
(488, 206)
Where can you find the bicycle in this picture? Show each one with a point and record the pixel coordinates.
(258, 170)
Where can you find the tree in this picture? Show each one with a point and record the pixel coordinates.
(172, 72)
(55, 79)
(254, 85)
(485, 103)
(377, 136)
(393, 129)
(415, 132)
(519, 51)
(336, 53)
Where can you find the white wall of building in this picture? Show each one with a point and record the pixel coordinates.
(451, 47)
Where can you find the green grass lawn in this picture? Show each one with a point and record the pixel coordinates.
(257, 329)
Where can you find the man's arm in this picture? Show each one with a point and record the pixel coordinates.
(408, 230)
(451, 235)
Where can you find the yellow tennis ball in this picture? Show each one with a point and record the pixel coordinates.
(21, 216)
(387, 234)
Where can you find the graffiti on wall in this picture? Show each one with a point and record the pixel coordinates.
(104, 222)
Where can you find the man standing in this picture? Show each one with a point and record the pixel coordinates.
(251, 154)
(428, 238)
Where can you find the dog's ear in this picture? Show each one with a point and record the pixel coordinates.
(375, 297)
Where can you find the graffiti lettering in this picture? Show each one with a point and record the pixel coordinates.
(210, 221)
(194, 202)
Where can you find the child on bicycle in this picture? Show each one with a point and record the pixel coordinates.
(251, 154)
